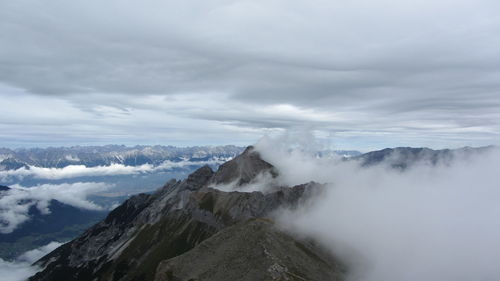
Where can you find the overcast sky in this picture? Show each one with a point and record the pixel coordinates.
(363, 74)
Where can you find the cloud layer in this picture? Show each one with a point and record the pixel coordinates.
(427, 223)
(224, 71)
(16, 202)
(21, 269)
(75, 171)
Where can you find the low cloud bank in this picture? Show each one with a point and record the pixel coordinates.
(429, 222)
(16, 202)
(21, 268)
(74, 171)
(263, 182)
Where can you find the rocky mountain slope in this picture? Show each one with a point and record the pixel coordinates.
(251, 250)
(228, 234)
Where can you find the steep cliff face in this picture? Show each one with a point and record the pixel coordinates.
(148, 230)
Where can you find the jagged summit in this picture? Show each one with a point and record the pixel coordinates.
(243, 168)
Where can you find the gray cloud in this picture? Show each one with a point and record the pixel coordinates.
(75, 171)
(16, 202)
(16, 271)
(21, 269)
(376, 66)
(426, 223)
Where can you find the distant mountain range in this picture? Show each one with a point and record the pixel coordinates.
(92, 156)
(404, 157)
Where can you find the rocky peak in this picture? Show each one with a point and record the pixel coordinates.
(199, 178)
(243, 168)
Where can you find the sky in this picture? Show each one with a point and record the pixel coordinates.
(360, 74)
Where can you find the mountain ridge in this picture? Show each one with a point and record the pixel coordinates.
(147, 229)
